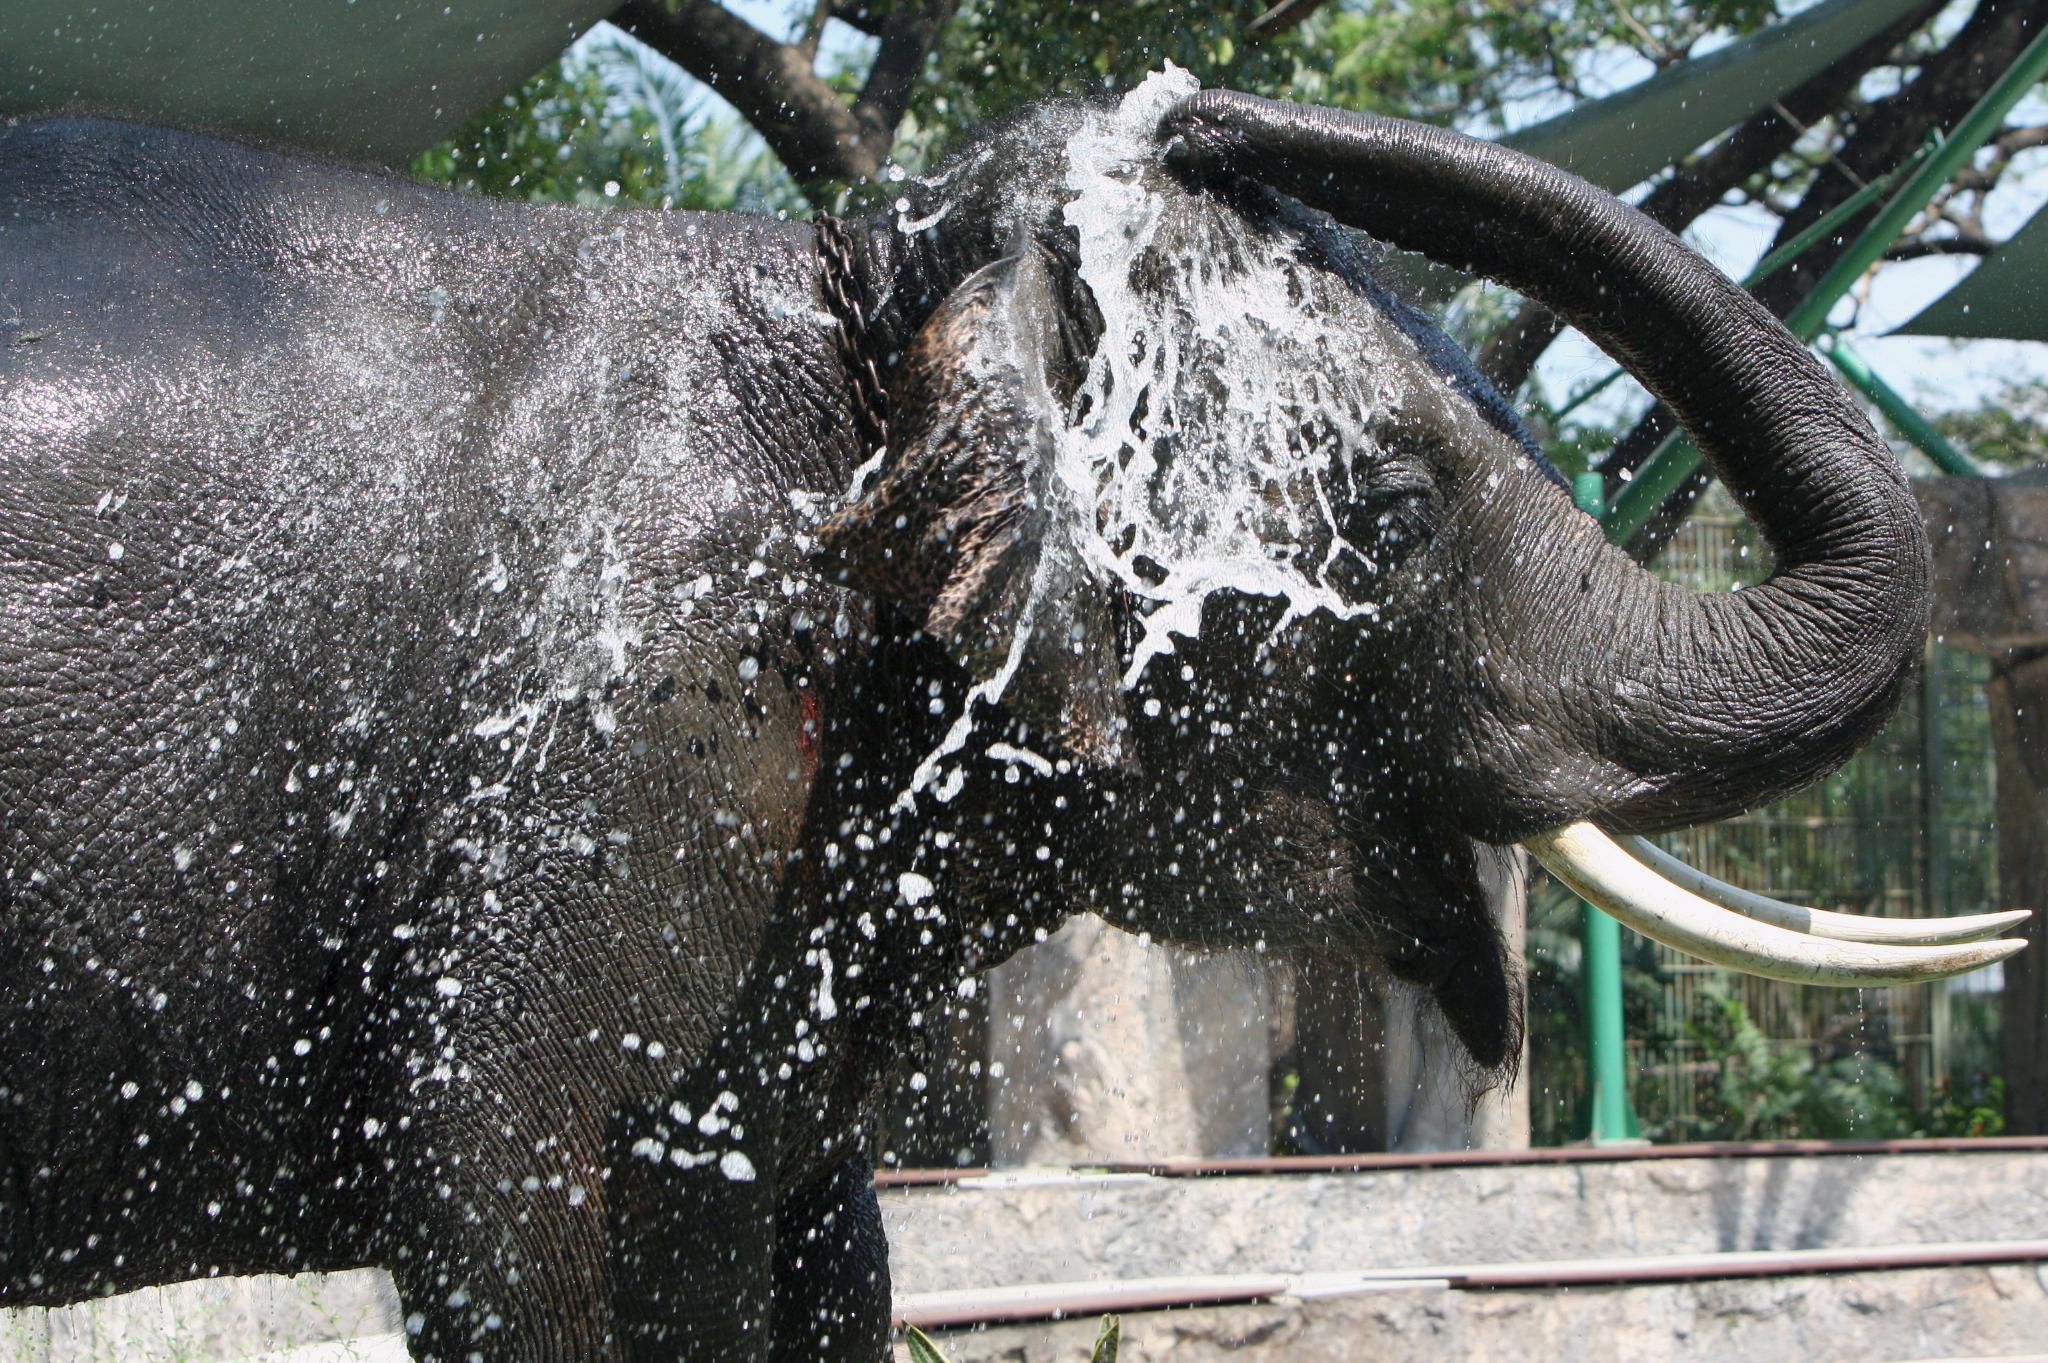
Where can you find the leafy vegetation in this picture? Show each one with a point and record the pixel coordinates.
(1760, 1090)
(2007, 429)
(611, 122)
(612, 113)
(999, 55)
(1741, 1083)
(1468, 61)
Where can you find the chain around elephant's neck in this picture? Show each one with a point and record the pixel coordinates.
(842, 287)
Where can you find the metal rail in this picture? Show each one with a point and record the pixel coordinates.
(1908, 422)
(1060, 1301)
(1484, 1159)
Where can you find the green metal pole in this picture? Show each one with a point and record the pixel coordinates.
(1677, 457)
(1662, 474)
(1612, 1119)
(1896, 409)
(1933, 866)
(1848, 208)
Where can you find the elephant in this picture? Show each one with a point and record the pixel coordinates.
(516, 716)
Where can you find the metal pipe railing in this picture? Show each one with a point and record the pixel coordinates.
(961, 1308)
(1388, 1161)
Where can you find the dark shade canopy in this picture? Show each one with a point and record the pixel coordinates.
(1626, 137)
(1629, 136)
(2005, 298)
(373, 80)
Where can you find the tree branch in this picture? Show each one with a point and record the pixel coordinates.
(1659, 53)
(814, 30)
(2008, 144)
(1281, 17)
(907, 35)
(1947, 84)
(1962, 244)
(859, 14)
(771, 83)
(2015, 140)
(810, 128)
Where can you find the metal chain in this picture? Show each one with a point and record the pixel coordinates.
(842, 296)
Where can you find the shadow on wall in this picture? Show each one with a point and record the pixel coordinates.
(1793, 1205)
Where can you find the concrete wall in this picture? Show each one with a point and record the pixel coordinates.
(1106, 1047)
(1871, 1317)
(1133, 1226)
(224, 1318)
(1052, 1227)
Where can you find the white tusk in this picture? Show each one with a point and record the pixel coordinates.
(1587, 861)
(1841, 927)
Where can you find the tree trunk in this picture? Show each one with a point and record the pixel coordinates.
(2019, 736)
(1990, 539)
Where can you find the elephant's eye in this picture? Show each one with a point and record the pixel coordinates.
(1386, 520)
(1389, 513)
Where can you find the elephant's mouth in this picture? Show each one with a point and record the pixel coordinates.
(1663, 898)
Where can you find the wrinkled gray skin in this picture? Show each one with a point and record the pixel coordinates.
(452, 780)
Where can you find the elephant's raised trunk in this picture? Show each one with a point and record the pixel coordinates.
(1634, 703)
(1702, 705)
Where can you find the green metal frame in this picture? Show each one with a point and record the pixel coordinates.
(1777, 259)
(1674, 461)
(1856, 370)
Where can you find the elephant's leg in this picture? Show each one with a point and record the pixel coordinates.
(497, 1236)
(692, 1234)
(832, 1269)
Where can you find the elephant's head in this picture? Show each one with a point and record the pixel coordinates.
(1190, 494)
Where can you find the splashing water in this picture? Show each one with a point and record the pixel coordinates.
(1228, 354)
(1209, 425)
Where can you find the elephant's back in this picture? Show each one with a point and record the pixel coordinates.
(223, 424)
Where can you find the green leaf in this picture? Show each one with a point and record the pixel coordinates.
(922, 1350)
(1106, 1343)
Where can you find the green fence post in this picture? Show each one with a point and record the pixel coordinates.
(1612, 1119)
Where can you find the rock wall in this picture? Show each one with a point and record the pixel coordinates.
(1044, 1227)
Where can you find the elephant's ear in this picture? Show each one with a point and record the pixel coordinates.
(964, 527)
